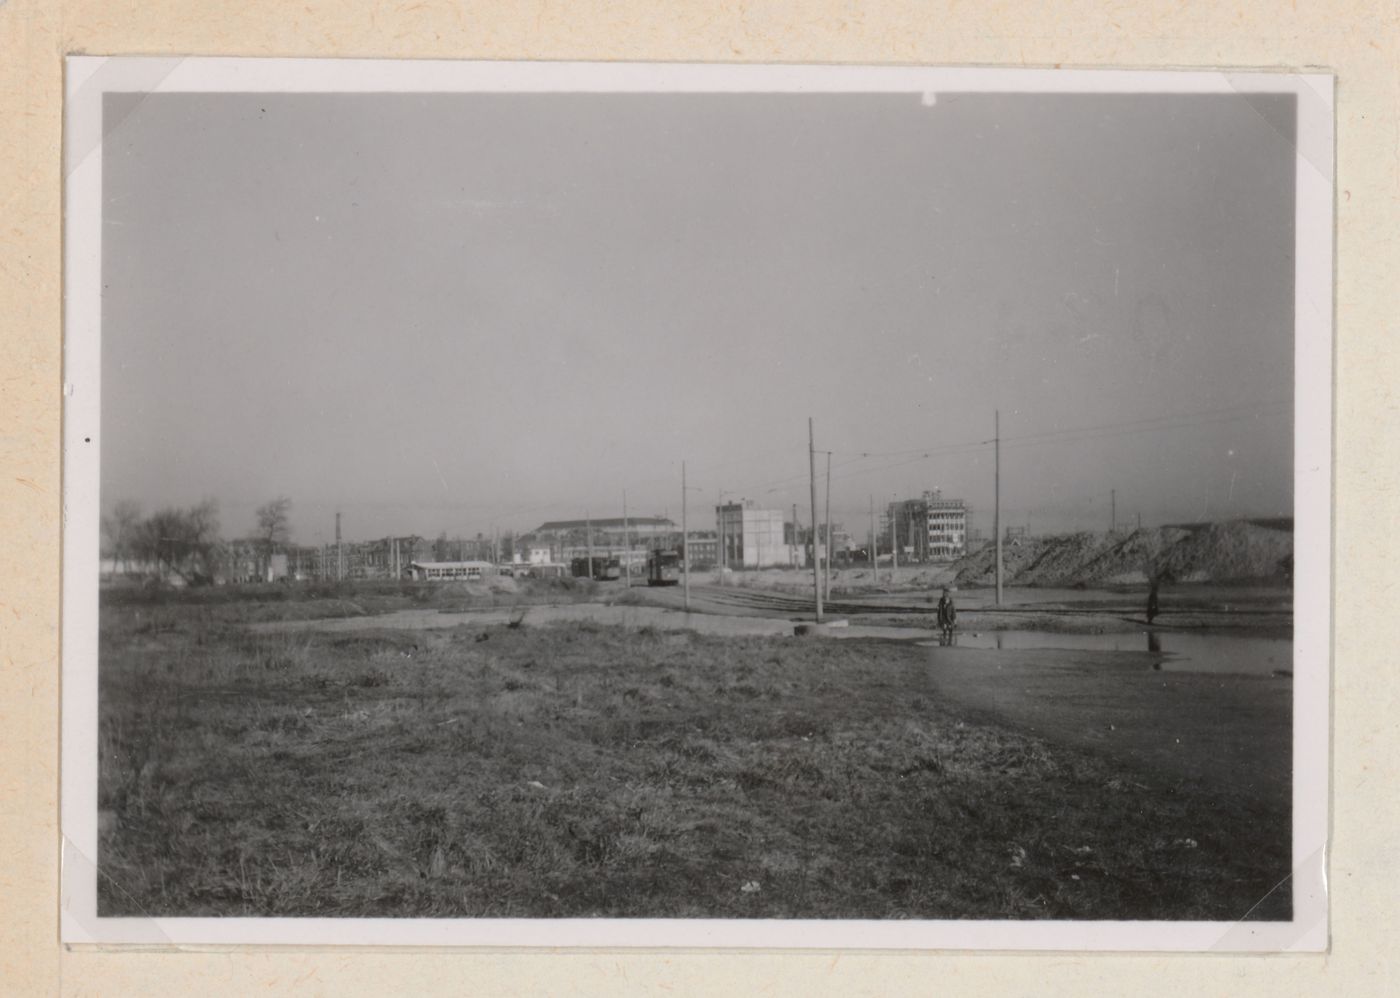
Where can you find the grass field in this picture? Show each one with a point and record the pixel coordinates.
(589, 771)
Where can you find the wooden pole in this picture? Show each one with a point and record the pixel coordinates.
(874, 545)
(826, 575)
(626, 541)
(793, 560)
(685, 542)
(894, 539)
(996, 515)
(719, 531)
(812, 477)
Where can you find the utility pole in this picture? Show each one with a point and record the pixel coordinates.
(996, 515)
(826, 576)
(588, 527)
(874, 545)
(812, 478)
(894, 539)
(719, 533)
(626, 541)
(685, 543)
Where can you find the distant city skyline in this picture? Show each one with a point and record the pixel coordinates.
(456, 313)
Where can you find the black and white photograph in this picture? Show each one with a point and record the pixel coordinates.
(620, 504)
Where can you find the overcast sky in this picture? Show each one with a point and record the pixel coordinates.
(459, 312)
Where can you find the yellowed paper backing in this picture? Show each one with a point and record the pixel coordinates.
(1355, 41)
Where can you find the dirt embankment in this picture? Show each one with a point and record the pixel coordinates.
(1237, 550)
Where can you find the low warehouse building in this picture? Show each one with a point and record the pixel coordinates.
(450, 571)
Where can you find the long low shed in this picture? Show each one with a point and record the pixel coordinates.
(450, 571)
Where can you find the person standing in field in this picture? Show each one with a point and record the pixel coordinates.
(1152, 601)
(947, 615)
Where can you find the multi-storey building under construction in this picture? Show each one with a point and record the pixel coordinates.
(929, 528)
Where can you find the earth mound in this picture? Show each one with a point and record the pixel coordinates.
(1231, 551)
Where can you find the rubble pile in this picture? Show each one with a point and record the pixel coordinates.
(1230, 551)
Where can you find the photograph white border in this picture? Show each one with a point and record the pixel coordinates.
(89, 77)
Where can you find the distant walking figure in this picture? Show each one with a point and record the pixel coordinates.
(1152, 601)
(947, 616)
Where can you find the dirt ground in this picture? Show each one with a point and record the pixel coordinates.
(579, 770)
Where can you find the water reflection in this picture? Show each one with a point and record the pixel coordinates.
(1178, 651)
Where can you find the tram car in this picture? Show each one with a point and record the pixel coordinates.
(663, 568)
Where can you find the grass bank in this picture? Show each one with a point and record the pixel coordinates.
(589, 771)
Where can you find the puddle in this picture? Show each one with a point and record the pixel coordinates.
(1180, 652)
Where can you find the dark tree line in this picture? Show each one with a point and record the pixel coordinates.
(184, 541)
(171, 541)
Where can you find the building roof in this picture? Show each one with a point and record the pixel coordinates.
(605, 522)
(451, 564)
(930, 502)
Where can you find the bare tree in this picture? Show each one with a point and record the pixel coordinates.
(274, 528)
(120, 530)
(181, 541)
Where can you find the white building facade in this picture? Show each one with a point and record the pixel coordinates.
(947, 527)
(750, 537)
